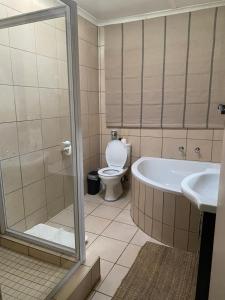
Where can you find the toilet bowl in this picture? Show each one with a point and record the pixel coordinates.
(118, 160)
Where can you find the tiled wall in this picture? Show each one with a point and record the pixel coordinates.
(168, 218)
(89, 85)
(34, 116)
(166, 72)
(154, 142)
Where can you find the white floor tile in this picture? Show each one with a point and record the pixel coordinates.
(65, 217)
(91, 238)
(106, 248)
(129, 255)
(113, 280)
(140, 238)
(120, 231)
(124, 217)
(95, 224)
(121, 203)
(106, 212)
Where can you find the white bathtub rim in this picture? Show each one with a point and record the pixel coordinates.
(154, 184)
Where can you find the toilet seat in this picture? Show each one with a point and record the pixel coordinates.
(116, 154)
(111, 171)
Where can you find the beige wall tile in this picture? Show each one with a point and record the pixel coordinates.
(24, 68)
(200, 134)
(7, 113)
(175, 133)
(87, 31)
(48, 75)
(34, 197)
(217, 151)
(14, 207)
(9, 140)
(23, 37)
(30, 136)
(11, 174)
(218, 135)
(53, 160)
(54, 186)
(205, 150)
(27, 103)
(51, 132)
(171, 148)
(151, 146)
(39, 216)
(32, 167)
(5, 61)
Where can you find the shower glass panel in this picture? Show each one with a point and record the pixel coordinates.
(37, 136)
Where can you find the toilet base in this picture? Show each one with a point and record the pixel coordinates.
(113, 192)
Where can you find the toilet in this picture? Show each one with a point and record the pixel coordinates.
(118, 159)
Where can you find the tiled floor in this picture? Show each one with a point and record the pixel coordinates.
(112, 235)
(22, 277)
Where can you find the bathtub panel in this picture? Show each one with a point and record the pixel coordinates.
(182, 213)
(166, 217)
(169, 209)
(148, 225)
(142, 197)
(149, 201)
(168, 235)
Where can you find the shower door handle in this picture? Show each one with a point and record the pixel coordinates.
(67, 148)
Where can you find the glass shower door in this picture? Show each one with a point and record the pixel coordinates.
(39, 131)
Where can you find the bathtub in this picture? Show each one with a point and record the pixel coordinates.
(158, 205)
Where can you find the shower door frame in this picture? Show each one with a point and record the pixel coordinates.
(69, 12)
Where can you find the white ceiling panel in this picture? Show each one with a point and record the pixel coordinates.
(112, 10)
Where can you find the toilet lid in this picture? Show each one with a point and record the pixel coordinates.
(116, 154)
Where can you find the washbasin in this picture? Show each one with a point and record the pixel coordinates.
(202, 189)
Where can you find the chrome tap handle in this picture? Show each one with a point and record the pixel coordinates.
(197, 150)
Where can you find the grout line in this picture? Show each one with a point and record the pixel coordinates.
(122, 71)
(142, 71)
(212, 66)
(163, 74)
(186, 72)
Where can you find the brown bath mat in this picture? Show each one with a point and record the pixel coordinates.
(160, 273)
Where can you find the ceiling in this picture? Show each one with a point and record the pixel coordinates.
(108, 11)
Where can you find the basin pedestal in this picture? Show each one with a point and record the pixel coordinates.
(205, 257)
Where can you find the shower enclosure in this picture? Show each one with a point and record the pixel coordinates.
(40, 140)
